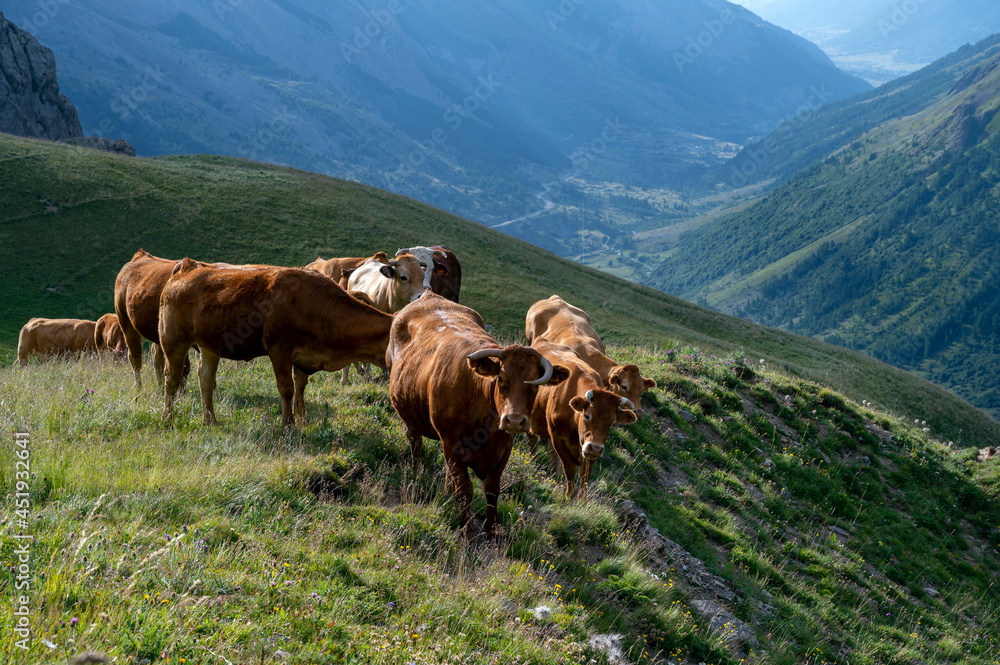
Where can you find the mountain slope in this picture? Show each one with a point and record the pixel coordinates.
(83, 215)
(30, 101)
(468, 106)
(883, 40)
(753, 513)
(889, 244)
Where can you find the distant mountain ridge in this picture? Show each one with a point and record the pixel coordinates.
(885, 39)
(392, 93)
(30, 101)
(888, 238)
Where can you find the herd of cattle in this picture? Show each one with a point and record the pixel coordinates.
(449, 380)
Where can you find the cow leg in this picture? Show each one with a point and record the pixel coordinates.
(458, 473)
(173, 370)
(416, 448)
(301, 380)
(345, 376)
(133, 340)
(585, 469)
(532, 443)
(282, 366)
(491, 485)
(159, 365)
(207, 368)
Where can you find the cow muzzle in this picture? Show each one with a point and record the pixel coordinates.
(515, 423)
(593, 450)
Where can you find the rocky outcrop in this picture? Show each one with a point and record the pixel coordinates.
(119, 147)
(30, 102)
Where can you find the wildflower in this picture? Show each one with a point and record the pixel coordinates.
(73, 622)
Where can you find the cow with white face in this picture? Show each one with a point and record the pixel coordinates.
(391, 286)
(442, 270)
(425, 255)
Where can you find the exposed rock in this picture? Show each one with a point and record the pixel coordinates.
(986, 453)
(30, 102)
(119, 147)
(723, 623)
(708, 591)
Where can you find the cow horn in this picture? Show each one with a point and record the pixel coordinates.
(627, 403)
(400, 252)
(546, 374)
(486, 353)
(590, 395)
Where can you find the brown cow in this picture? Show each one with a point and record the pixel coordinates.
(334, 268)
(137, 304)
(299, 319)
(555, 320)
(442, 271)
(450, 381)
(108, 337)
(51, 338)
(576, 415)
(390, 286)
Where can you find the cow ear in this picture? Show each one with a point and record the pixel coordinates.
(381, 257)
(487, 367)
(559, 374)
(648, 384)
(388, 271)
(626, 416)
(578, 404)
(440, 269)
(614, 380)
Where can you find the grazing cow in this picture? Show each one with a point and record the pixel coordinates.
(442, 271)
(576, 415)
(51, 338)
(137, 304)
(299, 319)
(555, 320)
(108, 337)
(334, 268)
(450, 381)
(389, 286)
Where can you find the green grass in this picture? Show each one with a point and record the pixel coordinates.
(231, 543)
(70, 218)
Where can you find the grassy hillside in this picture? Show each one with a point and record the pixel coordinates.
(786, 522)
(887, 242)
(791, 526)
(69, 219)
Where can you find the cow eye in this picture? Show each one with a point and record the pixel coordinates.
(403, 278)
(586, 417)
(625, 387)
